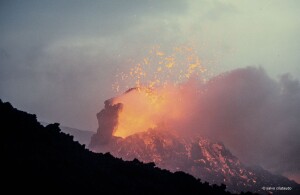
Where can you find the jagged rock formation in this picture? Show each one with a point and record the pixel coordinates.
(108, 120)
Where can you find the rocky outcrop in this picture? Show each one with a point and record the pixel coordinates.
(107, 123)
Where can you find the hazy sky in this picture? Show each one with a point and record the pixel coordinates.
(58, 58)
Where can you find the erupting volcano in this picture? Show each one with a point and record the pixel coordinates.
(170, 148)
(154, 122)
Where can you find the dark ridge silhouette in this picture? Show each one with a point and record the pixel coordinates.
(41, 160)
(82, 136)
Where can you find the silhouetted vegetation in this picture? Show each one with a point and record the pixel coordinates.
(40, 159)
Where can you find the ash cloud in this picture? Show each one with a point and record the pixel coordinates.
(255, 116)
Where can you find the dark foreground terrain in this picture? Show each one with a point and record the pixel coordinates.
(41, 160)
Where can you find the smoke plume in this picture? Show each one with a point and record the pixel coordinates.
(255, 116)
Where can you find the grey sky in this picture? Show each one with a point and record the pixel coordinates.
(58, 58)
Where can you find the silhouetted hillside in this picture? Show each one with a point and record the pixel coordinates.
(82, 136)
(43, 160)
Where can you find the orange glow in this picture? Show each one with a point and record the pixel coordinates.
(144, 108)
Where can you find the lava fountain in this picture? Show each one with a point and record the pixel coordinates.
(164, 91)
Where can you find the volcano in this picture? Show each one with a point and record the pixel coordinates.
(200, 156)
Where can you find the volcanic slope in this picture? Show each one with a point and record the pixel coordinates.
(41, 160)
(199, 156)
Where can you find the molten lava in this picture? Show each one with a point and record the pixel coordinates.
(162, 68)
